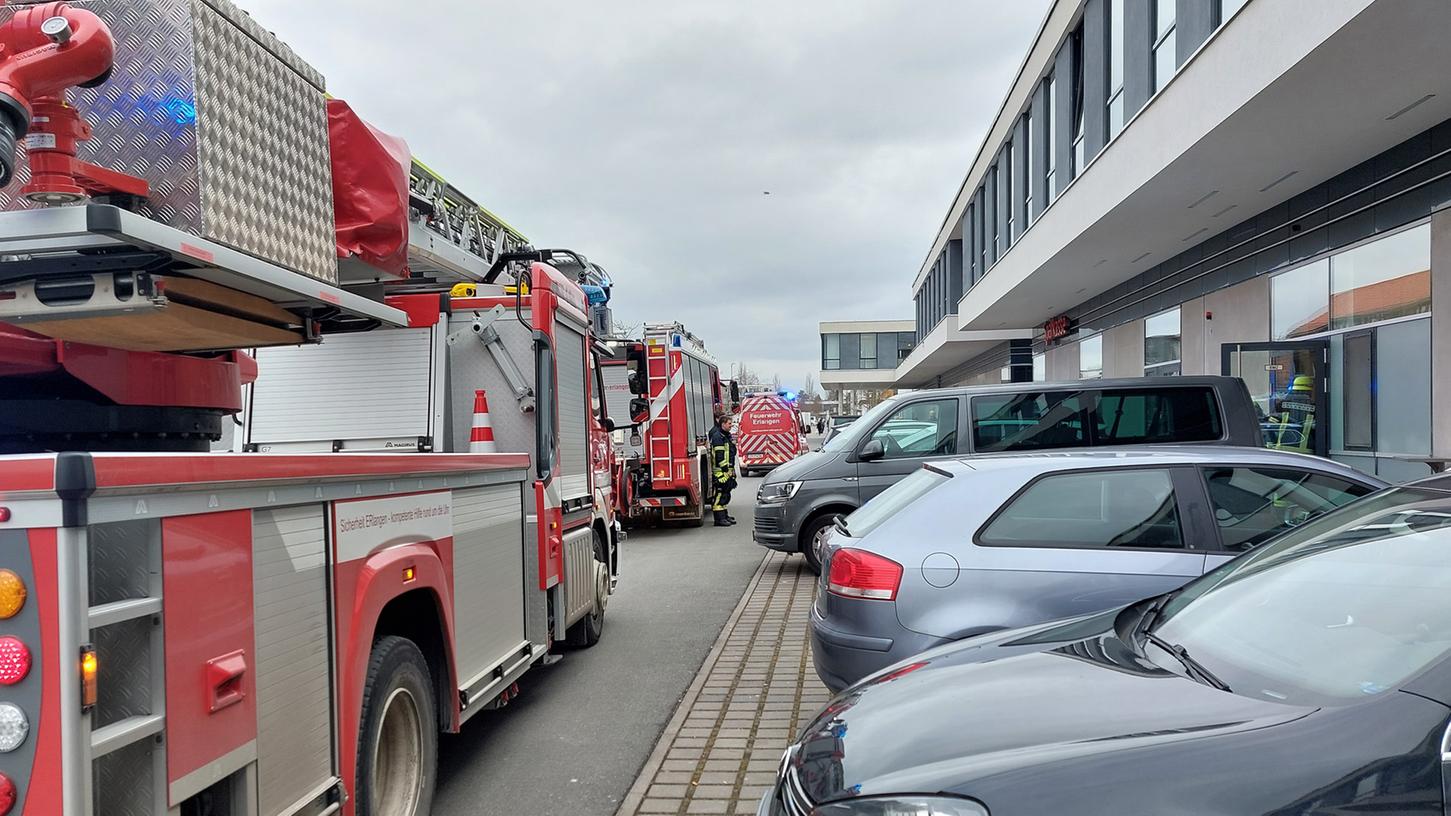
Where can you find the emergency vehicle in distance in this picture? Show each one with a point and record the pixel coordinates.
(769, 431)
(670, 388)
(282, 632)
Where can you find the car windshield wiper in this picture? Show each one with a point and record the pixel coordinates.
(840, 523)
(1151, 615)
(1194, 667)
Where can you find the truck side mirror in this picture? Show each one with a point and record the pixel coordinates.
(872, 451)
(639, 410)
(609, 425)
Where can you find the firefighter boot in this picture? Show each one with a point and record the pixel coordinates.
(722, 520)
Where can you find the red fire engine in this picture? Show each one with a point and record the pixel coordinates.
(283, 631)
(670, 387)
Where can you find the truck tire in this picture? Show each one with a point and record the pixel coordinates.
(586, 631)
(398, 735)
(815, 529)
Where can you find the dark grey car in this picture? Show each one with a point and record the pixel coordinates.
(970, 546)
(798, 501)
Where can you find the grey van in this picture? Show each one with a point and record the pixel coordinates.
(798, 501)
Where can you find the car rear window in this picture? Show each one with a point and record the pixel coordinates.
(891, 501)
(1043, 420)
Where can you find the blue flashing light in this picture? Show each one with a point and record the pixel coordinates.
(676, 341)
(595, 294)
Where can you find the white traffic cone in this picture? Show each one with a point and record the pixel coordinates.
(482, 438)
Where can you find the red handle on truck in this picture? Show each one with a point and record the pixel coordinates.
(224, 680)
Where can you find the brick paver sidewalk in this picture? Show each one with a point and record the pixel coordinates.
(757, 688)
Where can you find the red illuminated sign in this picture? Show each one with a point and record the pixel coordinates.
(1057, 328)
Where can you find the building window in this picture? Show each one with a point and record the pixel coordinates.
(830, 352)
(1357, 390)
(1076, 88)
(1011, 187)
(1006, 375)
(869, 351)
(851, 358)
(1028, 169)
(1382, 280)
(1228, 8)
(1040, 368)
(1115, 67)
(1050, 141)
(1164, 43)
(1300, 301)
(1090, 358)
(992, 196)
(905, 342)
(1161, 344)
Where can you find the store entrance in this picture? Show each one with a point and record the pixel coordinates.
(1289, 384)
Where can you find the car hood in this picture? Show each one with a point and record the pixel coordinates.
(988, 706)
(801, 467)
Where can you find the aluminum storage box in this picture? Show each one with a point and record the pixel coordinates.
(227, 124)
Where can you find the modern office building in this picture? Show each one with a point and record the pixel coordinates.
(1253, 187)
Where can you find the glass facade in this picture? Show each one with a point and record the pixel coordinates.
(1115, 117)
(1227, 8)
(1161, 344)
(1090, 357)
(865, 350)
(1165, 15)
(1377, 281)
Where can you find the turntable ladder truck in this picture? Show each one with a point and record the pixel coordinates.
(194, 633)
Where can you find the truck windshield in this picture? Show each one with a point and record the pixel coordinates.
(891, 501)
(1347, 606)
(848, 438)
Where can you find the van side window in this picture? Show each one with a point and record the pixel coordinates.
(1033, 421)
(1136, 416)
(927, 428)
(1109, 508)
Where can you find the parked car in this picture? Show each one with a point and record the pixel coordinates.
(965, 547)
(1311, 676)
(797, 503)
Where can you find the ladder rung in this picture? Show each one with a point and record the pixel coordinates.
(122, 611)
(123, 733)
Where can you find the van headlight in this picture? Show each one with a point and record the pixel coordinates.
(776, 493)
(902, 806)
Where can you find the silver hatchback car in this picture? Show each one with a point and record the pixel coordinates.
(965, 547)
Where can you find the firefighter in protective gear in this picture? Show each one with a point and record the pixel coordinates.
(1295, 429)
(723, 467)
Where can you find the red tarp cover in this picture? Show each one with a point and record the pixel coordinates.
(370, 190)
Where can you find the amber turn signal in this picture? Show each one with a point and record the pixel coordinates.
(12, 594)
(88, 677)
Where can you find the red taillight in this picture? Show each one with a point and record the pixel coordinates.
(14, 661)
(7, 794)
(861, 574)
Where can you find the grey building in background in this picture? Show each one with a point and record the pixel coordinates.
(1251, 187)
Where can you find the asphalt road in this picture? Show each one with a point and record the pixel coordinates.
(575, 739)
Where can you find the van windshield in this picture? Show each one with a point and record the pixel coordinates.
(848, 438)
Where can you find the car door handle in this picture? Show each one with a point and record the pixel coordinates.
(849, 478)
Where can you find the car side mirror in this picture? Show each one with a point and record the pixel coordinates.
(872, 451)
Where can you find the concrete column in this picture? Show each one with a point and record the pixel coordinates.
(1063, 116)
(1195, 22)
(1041, 123)
(1138, 52)
(1123, 350)
(1095, 77)
(1441, 333)
(1191, 339)
(1062, 363)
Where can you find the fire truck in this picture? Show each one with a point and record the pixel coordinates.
(197, 243)
(670, 388)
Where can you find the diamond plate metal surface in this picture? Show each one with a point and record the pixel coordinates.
(125, 650)
(123, 781)
(120, 561)
(227, 124)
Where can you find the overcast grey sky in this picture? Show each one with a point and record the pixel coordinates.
(644, 134)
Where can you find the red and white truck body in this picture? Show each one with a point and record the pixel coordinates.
(768, 432)
(281, 631)
(670, 388)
